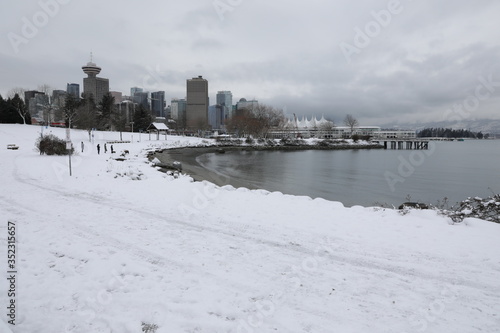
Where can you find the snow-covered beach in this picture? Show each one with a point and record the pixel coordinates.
(121, 247)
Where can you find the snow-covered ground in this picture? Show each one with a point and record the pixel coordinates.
(120, 247)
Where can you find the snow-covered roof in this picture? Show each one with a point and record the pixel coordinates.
(158, 126)
(304, 123)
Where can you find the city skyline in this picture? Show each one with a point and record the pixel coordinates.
(382, 61)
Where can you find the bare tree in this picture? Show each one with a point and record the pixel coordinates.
(327, 126)
(16, 90)
(351, 122)
(269, 117)
(257, 122)
(45, 88)
(20, 107)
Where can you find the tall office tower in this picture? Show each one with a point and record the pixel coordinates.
(243, 105)
(141, 98)
(225, 99)
(29, 94)
(178, 112)
(94, 86)
(158, 103)
(58, 98)
(197, 103)
(37, 104)
(216, 116)
(134, 90)
(117, 95)
(73, 89)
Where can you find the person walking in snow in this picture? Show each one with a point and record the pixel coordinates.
(106, 149)
(82, 146)
(112, 151)
(98, 149)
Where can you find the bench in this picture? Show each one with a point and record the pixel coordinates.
(12, 146)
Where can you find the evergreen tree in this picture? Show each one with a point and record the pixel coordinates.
(70, 110)
(118, 121)
(14, 111)
(18, 105)
(3, 110)
(87, 115)
(105, 112)
(142, 119)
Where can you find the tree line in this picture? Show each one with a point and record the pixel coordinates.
(82, 113)
(450, 133)
(14, 111)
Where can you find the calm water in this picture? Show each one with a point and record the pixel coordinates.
(454, 170)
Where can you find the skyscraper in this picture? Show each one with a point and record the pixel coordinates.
(58, 98)
(73, 89)
(29, 94)
(141, 98)
(216, 116)
(178, 112)
(197, 103)
(243, 104)
(225, 99)
(36, 103)
(158, 103)
(93, 86)
(134, 90)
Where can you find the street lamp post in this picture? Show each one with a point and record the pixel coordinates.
(132, 123)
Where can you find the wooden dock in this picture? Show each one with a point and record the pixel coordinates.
(404, 144)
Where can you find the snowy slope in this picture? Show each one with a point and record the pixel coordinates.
(101, 252)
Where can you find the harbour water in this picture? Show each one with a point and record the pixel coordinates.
(453, 170)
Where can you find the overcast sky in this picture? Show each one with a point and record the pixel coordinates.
(381, 61)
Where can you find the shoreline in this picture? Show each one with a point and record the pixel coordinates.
(187, 157)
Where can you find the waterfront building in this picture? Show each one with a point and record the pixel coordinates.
(324, 129)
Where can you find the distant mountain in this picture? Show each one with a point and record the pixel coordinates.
(480, 125)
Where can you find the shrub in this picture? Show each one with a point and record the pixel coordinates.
(487, 209)
(324, 143)
(355, 138)
(52, 145)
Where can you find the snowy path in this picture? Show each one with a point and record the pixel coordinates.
(107, 255)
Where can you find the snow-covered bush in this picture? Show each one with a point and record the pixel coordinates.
(51, 145)
(486, 209)
(149, 328)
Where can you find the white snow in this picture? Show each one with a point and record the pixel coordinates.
(119, 245)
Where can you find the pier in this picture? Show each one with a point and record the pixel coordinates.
(404, 144)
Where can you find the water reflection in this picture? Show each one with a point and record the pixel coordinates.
(357, 176)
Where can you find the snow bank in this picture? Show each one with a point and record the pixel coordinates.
(119, 247)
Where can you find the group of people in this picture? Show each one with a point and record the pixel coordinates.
(105, 149)
(99, 148)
